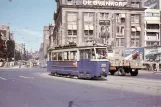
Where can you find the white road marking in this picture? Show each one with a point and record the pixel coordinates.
(3, 78)
(25, 77)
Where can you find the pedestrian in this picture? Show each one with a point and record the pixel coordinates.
(20, 65)
(157, 68)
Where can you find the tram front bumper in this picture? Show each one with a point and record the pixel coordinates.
(104, 74)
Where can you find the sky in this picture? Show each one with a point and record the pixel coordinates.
(26, 19)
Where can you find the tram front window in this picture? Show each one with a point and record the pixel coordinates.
(101, 53)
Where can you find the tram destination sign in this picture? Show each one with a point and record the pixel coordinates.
(104, 3)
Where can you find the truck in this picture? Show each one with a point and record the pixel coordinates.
(146, 56)
(130, 62)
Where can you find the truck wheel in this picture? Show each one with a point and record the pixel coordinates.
(121, 71)
(134, 73)
(112, 72)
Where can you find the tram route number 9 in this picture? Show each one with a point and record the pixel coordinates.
(103, 65)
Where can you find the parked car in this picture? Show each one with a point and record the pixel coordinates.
(43, 65)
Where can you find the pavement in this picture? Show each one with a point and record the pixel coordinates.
(14, 67)
(36, 88)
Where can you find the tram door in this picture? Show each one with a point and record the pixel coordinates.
(85, 56)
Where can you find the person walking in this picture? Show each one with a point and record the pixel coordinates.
(157, 69)
(20, 65)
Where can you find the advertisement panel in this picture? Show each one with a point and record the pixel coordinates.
(152, 54)
(134, 53)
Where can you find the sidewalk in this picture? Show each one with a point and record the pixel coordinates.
(14, 67)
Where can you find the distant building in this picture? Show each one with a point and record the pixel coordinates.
(19, 47)
(117, 23)
(152, 27)
(152, 4)
(35, 54)
(5, 32)
(41, 52)
(152, 22)
(48, 30)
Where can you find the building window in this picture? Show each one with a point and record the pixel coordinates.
(135, 4)
(120, 42)
(69, 32)
(104, 15)
(138, 33)
(85, 32)
(117, 41)
(120, 30)
(122, 20)
(137, 42)
(151, 33)
(72, 32)
(88, 32)
(151, 43)
(132, 42)
(135, 18)
(153, 26)
(88, 24)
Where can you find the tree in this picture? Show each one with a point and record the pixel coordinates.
(10, 49)
(2, 47)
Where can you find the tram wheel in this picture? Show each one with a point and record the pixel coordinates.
(52, 74)
(71, 76)
(88, 78)
(56, 74)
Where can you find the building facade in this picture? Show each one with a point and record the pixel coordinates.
(48, 30)
(5, 32)
(116, 23)
(41, 52)
(152, 22)
(152, 27)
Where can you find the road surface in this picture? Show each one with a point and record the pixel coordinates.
(36, 88)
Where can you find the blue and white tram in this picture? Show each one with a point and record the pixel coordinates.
(84, 62)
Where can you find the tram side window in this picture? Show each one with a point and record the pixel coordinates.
(85, 54)
(54, 56)
(101, 53)
(60, 58)
(73, 55)
(66, 56)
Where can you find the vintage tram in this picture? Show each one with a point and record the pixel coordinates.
(83, 62)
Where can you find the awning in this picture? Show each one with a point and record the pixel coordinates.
(122, 15)
(70, 27)
(86, 27)
(138, 28)
(91, 27)
(133, 29)
(74, 27)
(152, 22)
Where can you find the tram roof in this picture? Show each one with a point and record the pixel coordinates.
(76, 47)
